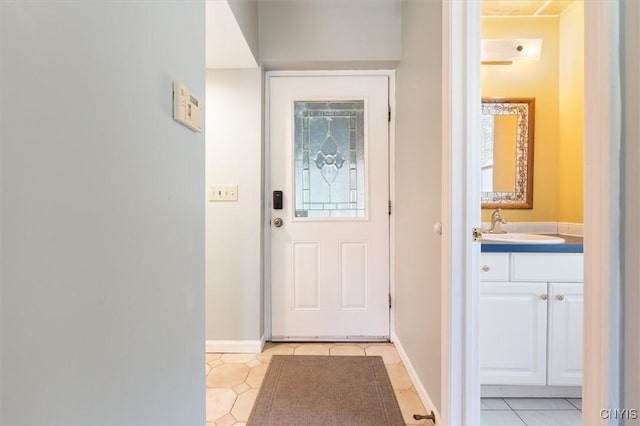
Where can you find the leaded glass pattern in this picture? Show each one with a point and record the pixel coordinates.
(329, 159)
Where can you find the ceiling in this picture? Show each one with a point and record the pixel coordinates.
(226, 46)
(525, 8)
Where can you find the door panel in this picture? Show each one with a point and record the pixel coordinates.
(330, 255)
(353, 276)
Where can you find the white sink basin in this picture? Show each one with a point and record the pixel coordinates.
(516, 238)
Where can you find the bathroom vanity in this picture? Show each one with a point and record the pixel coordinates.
(531, 298)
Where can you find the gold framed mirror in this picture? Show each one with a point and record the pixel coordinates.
(506, 153)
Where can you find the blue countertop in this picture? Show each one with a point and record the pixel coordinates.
(571, 245)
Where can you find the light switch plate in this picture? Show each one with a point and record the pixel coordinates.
(223, 193)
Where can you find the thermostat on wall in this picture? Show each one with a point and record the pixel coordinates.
(187, 109)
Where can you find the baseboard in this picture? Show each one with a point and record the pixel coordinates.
(500, 391)
(235, 346)
(417, 383)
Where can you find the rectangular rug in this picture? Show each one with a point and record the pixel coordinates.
(326, 391)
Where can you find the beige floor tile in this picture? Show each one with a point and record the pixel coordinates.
(227, 420)
(266, 355)
(211, 356)
(219, 402)
(271, 345)
(312, 349)
(207, 368)
(388, 353)
(227, 375)
(410, 404)
(399, 377)
(241, 388)
(237, 358)
(242, 408)
(214, 363)
(256, 375)
(253, 363)
(240, 424)
(347, 350)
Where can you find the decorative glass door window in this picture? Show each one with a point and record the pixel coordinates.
(329, 159)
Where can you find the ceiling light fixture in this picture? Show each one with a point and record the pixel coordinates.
(506, 51)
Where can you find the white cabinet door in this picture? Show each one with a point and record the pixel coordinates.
(513, 333)
(565, 334)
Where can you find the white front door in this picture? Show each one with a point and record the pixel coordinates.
(329, 138)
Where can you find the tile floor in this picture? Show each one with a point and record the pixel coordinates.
(530, 411)
(233, 380)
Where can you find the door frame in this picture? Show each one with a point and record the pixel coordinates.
(461, 89)
(391, 75)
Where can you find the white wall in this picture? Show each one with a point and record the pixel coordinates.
(234, 139)
(631, 191)
(246, 13)
(330, 34)
(234, 229)
(102, 214)
(418, 191)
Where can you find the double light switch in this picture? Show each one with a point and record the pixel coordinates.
(223, 193)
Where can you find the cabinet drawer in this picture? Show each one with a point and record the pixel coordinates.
(494, 267)
(565, 267)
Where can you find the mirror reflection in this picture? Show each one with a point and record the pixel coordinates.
(506, 153)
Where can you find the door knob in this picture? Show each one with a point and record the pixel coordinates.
(277, 222)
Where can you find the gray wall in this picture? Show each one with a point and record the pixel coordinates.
(102, 214)
(418, 190)
(234, 229)
(329, 34)
(631, 193)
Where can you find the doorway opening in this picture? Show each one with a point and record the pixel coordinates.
(531, 294)
(601, 212)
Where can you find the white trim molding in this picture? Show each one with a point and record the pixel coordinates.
(235, 346)
(460, 212)
(602, 340)
(422, 391)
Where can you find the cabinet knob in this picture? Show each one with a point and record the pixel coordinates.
(543, 296)
(560, 297)
(485, 268)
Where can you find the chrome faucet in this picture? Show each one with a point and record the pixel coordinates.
(496, 221)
